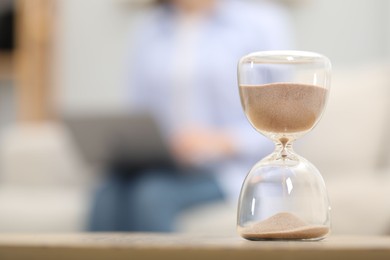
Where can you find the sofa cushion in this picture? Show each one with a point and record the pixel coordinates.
(351, 133)
(39, 155)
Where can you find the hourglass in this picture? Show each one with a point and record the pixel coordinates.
(283, 94)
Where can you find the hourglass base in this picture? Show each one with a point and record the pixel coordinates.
(283, 198)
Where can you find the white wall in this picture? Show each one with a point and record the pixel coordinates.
(90, 44)
(347, 31)
(92, 37)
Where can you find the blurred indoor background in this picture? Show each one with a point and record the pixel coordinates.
(66, 57)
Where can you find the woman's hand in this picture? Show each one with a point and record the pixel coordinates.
(194, 146)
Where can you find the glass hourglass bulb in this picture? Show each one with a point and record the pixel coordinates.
(283, 94)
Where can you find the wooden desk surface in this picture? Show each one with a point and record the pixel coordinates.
(182, 246)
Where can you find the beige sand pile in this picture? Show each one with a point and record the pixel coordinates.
(283, 107)
(283, 225)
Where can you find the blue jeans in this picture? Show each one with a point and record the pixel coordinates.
(150, 201)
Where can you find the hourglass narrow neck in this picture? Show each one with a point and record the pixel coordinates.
(284, 149)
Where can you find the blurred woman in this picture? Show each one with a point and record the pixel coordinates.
(182, 70)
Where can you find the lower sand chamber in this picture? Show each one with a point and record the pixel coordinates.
(283, 198)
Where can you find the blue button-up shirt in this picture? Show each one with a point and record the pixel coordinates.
(184, 71)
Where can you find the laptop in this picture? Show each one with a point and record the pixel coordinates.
(130, 140)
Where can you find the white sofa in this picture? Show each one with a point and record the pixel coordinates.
(44, 185)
